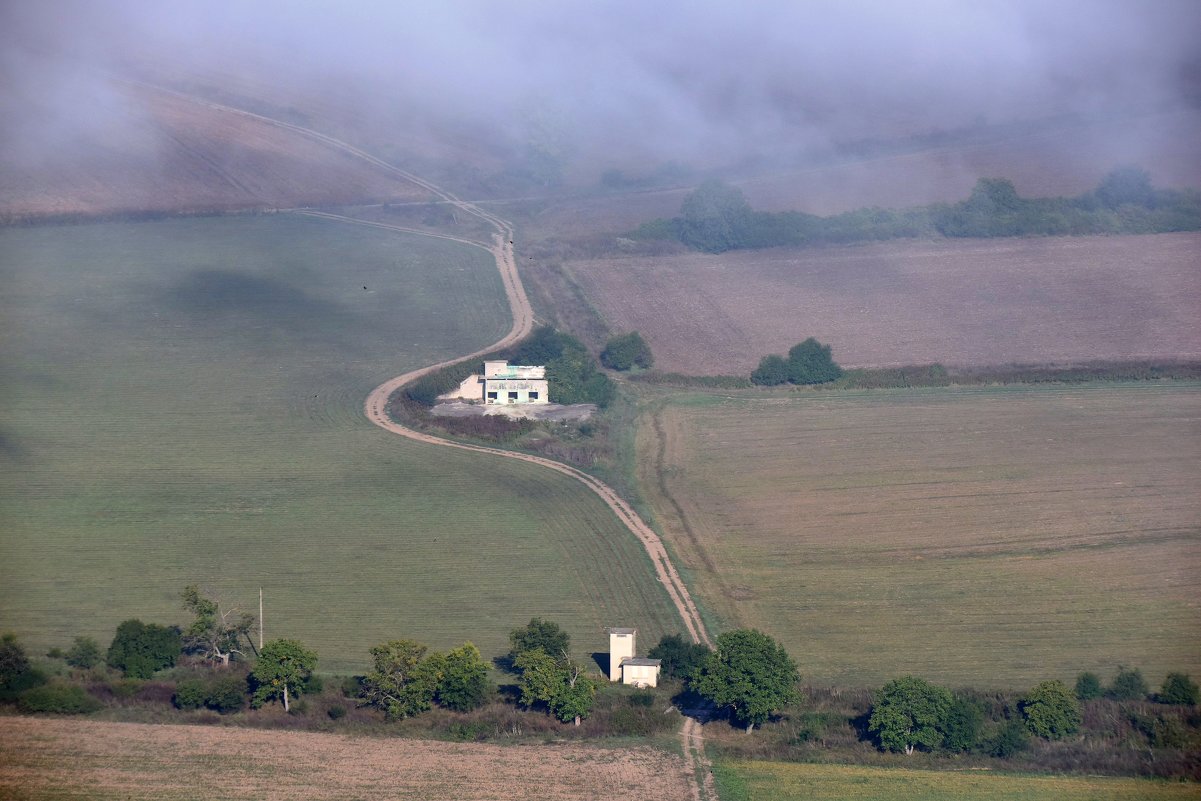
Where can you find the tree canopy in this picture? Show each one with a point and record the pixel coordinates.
(1179, 689)
(909, 713)
(540, 634)
(139, 649)
(627, 351)
(715, 218)
(679, 658)
(1051, 710)
(282, 669)
(750, 674)
(464, 685)
(1128, 685)
(810, 363)
(215, 633)
(563, 686)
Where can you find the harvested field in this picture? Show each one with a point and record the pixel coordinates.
(985, 537)
(153, 151)
(966, 302)
(183, 403)
(784, 781)
(83, 759)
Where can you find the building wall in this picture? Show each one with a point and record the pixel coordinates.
(471, 388)
(621, 646)
(640, 675)
(507, 390)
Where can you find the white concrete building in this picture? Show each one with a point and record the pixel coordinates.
(504, 383)
(624, 666)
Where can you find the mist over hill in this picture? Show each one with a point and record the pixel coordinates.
(564, 91)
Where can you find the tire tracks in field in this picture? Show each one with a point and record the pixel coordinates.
(375, 407)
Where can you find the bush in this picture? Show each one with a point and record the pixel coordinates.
(1178, 689)
(1088, 686)
(1010, 739)
(810, 363)
(627, 351)
(190, 694)
(1128, 685)
(961, 728)
(57, 699)
(336, 712)
(226, 694)
(772, 371)
(140, 649)
(1051, 710)
(84, 653)
(16, 674)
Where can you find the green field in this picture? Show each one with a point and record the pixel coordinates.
(990, 537)
(182, 403)
(784, 781)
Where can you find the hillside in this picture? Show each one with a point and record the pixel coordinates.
(143, 150)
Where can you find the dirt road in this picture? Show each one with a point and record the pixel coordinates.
(375, 407)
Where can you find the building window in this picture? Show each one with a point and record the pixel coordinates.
(491, 396)
(512, 396)
(533, 396)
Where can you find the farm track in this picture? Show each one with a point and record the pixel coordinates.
(375, 407)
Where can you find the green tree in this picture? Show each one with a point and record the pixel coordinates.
(566, 690)
(403, 680)
(627, 351)
(1179, 689)
(962, 725)
(909, 713)
(139, 649)
(214, 633)
(464, 685)
(1127, 185)
(1051, 710)
(679, 658)
(715, 217)
(750, 674)
(16, 673)
(281, 672)
(1128, 685)
(772, 370)
(810, 363)
(543, 634)
(1088, 686)
(84, 653)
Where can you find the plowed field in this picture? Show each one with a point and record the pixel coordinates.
(985, 537)
(967, 302)
(80, 759)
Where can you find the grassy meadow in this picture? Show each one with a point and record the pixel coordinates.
(182, 404)
(990, 537)
(785, 781)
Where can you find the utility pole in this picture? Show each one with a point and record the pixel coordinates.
(260, 618)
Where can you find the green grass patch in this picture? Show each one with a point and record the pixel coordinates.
(183, 404)
(784, 781)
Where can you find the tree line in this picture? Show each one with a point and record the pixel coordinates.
(716, 217)
(748, 677)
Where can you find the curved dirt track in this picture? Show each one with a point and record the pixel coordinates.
(375, 407)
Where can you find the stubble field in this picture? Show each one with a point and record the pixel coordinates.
(76, 759)
(183, 404)
(967, 302)
(989, 537)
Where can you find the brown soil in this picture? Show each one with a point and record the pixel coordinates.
(963, 302)
(160, 151)
(77, 759)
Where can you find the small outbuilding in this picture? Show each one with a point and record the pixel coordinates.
(624, 666)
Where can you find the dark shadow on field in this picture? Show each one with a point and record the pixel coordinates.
(250, 303)
(601, 658)
(693, 705)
